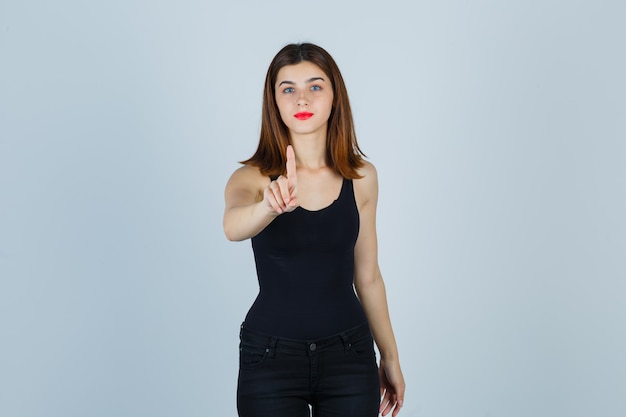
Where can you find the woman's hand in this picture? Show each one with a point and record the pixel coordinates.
(392, 387)
(281, 195)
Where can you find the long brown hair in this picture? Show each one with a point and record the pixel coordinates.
(342, 150)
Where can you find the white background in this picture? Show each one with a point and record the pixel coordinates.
(499, 133)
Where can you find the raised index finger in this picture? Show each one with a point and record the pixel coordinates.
(291, 168)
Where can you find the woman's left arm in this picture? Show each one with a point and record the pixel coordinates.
(370, 288)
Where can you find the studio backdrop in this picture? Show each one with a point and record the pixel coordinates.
(498, 131)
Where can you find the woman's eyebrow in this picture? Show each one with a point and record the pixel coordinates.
(310, 80)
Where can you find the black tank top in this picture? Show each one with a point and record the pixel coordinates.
(305, 266)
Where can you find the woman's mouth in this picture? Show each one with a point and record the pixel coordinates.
(303, 115)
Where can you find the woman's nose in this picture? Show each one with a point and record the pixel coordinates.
(303, 98)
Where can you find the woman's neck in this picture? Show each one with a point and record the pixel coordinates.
(310, 151)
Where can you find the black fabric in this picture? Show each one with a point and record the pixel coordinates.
(336, 375)
(305, 266)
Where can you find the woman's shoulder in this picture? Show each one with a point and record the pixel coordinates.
(366, 187)
(247, 171)
(248, 177)
(368, 173)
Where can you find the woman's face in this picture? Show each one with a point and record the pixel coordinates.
(304, 96)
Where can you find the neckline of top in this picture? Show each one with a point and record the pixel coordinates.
(343, 183)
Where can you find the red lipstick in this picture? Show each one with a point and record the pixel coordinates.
(303, 115)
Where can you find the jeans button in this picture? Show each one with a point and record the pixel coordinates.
(312, 346)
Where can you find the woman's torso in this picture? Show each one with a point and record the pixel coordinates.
(305, 267)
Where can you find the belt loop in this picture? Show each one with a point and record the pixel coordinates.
(271, 348)
(346, 341)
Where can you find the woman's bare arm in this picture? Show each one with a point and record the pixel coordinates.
(370, 287)
(252, 201)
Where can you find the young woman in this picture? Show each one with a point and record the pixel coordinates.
(307, 199)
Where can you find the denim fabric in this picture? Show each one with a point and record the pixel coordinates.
(337, 375)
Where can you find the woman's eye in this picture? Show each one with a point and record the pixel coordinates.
(289, 90)
(316, 88)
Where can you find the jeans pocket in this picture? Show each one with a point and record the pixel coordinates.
(363, 349)
(250, 357)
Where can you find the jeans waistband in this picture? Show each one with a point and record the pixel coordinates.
(342, 340)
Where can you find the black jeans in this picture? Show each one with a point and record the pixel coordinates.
(336, 375)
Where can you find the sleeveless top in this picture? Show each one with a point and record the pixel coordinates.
(305, 266)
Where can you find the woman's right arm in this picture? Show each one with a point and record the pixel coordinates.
(246, 212)
(252, 203)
